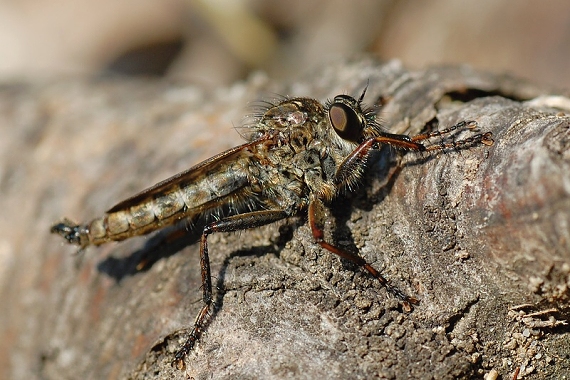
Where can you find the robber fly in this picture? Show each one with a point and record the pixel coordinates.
(299, 155)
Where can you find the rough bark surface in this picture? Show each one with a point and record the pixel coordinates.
(480, 236)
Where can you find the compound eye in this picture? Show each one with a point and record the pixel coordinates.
(346, 121)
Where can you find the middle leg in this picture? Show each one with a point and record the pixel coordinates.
(229, 224)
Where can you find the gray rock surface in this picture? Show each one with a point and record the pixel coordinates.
(480, 236)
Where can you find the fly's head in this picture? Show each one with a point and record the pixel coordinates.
(350, 121)
(348, 124)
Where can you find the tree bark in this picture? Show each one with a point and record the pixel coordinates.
(481, 236)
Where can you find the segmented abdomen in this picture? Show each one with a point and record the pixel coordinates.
(180, 200)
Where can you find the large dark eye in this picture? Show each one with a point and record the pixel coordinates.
(346, 118)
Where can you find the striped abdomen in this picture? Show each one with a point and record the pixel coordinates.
(142, 214)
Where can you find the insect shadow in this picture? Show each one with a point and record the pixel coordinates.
(163, 244)
(170, 241)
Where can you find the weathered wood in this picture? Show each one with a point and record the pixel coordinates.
(473, 234)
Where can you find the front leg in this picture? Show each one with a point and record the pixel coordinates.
(353, 165)
(229, 224)
(316, 216)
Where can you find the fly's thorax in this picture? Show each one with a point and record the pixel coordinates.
(279, 119)
(277, 185)
(333, 150)
(296, 166)
(306, 150)
(318, 170)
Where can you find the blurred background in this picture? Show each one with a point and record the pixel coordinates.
(216, 42)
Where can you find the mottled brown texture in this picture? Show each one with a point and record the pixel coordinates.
(481, 237)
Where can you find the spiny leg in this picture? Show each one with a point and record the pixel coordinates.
(229, 224)
(353, 162)
(480, 138)
(206, 298)
(316, 214)
(470, 124)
